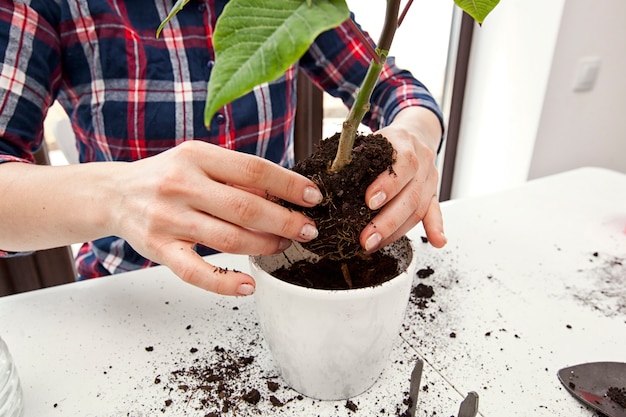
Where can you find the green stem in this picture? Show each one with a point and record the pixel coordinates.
(362, 100)
(357, 112)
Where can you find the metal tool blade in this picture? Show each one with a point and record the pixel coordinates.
(469, 406)
(414, 388)
(590, 382)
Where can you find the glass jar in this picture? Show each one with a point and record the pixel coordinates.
(11, 397)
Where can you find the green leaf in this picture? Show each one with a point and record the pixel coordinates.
(478, 9)
(256, 41)
(178, 6)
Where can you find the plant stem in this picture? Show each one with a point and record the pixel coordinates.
(359, 33)
(362, 100)
(390, 26)
(404, 12)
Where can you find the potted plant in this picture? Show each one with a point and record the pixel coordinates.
(330, 342)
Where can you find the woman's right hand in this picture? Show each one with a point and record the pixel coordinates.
(162, 205)
(201, 193)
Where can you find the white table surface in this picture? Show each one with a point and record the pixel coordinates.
(533, 279)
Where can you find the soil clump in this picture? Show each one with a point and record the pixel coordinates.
(342, 215)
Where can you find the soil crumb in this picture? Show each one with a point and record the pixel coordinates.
(617, 395)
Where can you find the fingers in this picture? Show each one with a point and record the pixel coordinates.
(201, 193)
(197, 227)
(406, 209)
(254, 172)
(191, 268)
(407, 168)
(228, 195)
(248, 210)
(405, 197)
(410, 206)
(375, 237)
(214, 183)
(433, 224)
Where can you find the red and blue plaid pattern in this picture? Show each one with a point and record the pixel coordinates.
(130, 95)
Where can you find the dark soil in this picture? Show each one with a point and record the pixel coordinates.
(617, 395)
(212, 383)
(343, 214)
(217, 387)
(327, 274)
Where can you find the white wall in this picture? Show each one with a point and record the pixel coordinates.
(521, 117)
(585, 128)
(508, 75)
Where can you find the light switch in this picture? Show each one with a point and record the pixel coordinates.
(586, 74)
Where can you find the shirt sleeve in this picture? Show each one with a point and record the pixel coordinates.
(29, 74)
(337, 62)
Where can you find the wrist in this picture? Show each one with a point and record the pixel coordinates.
(421, 123)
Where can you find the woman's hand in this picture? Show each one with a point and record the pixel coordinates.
(201, 193)
(410, 194)
(162, 206)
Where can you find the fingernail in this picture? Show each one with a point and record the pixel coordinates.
(312, 195)
(245, 289)
(283, 244)
(372, 242)
(377, 200)
(308, 232)
(445, 239)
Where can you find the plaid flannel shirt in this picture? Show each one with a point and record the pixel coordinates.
(130, 95)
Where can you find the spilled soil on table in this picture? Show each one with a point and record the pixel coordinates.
(217, 387)
(221, 381)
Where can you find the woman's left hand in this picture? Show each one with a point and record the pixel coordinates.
(409, 195)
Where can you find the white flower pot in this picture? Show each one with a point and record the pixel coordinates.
(330, 344)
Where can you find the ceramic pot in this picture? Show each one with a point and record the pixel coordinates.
(331, 344)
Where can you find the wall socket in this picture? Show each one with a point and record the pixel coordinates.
(586, 74)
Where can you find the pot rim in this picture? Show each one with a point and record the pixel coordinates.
(336, 294)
